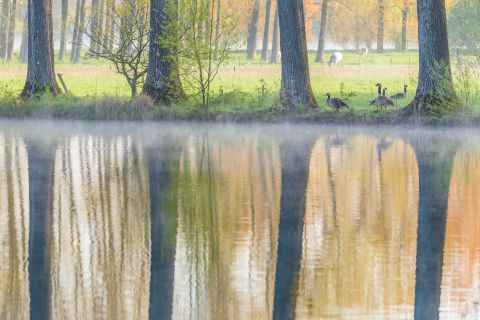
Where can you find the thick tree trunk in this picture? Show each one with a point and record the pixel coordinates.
(11, 30)
(323, 33)
(163, 80)
(434, 168)
(276, 39)
(381, 25)
(4, 28)
(75, 30)
(435, 93)
(252, 31)
(405, 13)
(24, 45)
(63, 31)
(296, 90)
(266, 31)
(40, 72)
(295, 171)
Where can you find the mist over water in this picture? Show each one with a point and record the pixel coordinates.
(203, 221)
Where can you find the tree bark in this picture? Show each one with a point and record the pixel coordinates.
(252, 31)
(323, 32)
(276, 39)
(435, 93)
(381, 25)
(78, 46)
(94, 24)
(4, 28)
(296, 90)
(11, 30)
(405, 13)
(163, 80)
(41, 71)
(266, 31)
(217, 23)
(63, 31)
(24, 44)
(101, 22)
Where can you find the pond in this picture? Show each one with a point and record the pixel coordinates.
(204, 221)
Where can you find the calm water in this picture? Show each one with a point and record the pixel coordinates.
(182, 221)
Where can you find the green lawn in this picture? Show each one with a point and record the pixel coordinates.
(246, 86)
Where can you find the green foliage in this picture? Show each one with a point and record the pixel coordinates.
(464, 26)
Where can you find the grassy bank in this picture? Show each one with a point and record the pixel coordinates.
(244, 90)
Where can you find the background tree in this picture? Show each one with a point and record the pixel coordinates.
(128, 49)
(266, 30)
(63, 31)
(40, 71)
(253, 30)
(11, 30)
(78, 32)
(405, 14)
(323, 32)
(464, 29)
(276, 38)
(435, 92)
(24, 45)
(381, 25)
(163, 78)
(296, 90)
(4, 28)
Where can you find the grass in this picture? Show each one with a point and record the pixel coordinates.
(243, 90)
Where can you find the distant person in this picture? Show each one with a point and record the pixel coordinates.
(363, 51)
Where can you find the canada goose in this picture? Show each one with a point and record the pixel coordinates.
(381, 100)
(336, 58)
(400, 96)
(336, 103)
(379, 93)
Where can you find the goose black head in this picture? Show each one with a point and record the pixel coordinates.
(328, 95)
(378, 85)
(384, 90)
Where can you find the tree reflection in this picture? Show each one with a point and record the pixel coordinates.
(14, 227)
(435, 160)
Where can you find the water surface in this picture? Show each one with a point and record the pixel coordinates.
(186, 221)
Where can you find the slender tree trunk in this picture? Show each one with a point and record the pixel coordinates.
(381, 25)
(41, 69)
(252, 31)
(94, 24)
(163, 79)
(266, 31)
(323, 32)
(4, 28)
(101, 22)
(11, 30)
(276, 38)
(296, 90)
(405, 13)
(24, 44)
(63, 31)
(75, 31)
(435, 87)
(78, 47)
(217, 23)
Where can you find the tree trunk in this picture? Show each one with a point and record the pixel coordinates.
(4, 28)
(112, 24)
(405, 13)
(276, 39)
(296, 90)
(41, 70)
(323, 33)
(252, 31)
(11, 30)
(295, 157)
(163, 79)
(79, 41)
(24, 45)
(434, 169)
(266, 31)
(94, 25)
(381, 25)
(435, 94)
(217, 24)
(63, 31)
(101, 16)
(75, 31)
